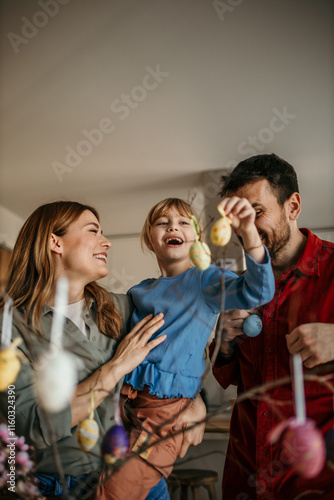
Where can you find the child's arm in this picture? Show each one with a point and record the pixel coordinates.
(242, 214)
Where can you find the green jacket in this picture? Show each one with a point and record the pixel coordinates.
(30, 421)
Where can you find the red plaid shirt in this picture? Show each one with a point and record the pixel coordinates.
(254, 469)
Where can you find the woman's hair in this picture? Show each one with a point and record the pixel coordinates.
(181, 206)
(31, 274)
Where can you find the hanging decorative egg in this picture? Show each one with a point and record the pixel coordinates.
(88, 430)
(115, 444)
(200, 255)
(199, 252)
(9, 364)
(221, 231)
(303, 444)
(329, 441)
(252, 325)
(55, 380)
(87, 434)
(304, 448)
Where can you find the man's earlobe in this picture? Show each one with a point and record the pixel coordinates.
(55, 244)
(294, 206)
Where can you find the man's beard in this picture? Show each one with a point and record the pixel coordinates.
(278, 239)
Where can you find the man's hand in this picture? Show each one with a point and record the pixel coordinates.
(196, 412)
(314, 342)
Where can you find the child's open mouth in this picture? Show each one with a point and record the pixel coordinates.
(173, 241)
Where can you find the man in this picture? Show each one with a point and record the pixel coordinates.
(299, 319)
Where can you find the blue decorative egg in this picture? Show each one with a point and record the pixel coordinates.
(329, 440)
(252, 325)
(115, 444)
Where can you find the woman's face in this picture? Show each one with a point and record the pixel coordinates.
(83, 250)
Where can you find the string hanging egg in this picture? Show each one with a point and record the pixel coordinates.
(115, 442)
(10, 364)
(221, 231)
(199, 251)
(303, 444)
(55, 379)
(10, 356)
(88, 430)
(55, 371)
(304, 448)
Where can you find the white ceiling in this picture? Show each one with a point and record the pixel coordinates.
(225, 70)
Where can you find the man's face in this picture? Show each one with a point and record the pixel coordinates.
(272, 220)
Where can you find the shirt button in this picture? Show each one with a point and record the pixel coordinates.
(270, 350)
(93, 338)
(266, 414)
(100, 362)
(87, 315)
(85, 341)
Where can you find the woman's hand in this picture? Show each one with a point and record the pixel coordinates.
(196, 412)
(135, 346)
(130, 353)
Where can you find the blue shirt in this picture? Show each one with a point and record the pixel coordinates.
(191, 303)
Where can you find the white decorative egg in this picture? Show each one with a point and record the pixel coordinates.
(55, 380)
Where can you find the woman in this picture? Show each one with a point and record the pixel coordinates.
(65, 239)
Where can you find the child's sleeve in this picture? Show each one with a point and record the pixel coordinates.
(255, 287)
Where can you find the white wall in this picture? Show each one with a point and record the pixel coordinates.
(10, 225)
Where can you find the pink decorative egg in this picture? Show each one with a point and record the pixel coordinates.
(115, 444)
(304, 448)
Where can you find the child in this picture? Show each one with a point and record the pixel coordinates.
(162, 385)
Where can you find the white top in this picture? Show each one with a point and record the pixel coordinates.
(75, 312)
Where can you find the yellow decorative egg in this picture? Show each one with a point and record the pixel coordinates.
(221, 232)
(9, 365)
(87, 434)
(200, 255)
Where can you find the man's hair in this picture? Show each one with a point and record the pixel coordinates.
(278, 172)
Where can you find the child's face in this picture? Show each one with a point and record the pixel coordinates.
(172, 236)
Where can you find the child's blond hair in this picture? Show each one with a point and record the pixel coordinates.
(183, 207)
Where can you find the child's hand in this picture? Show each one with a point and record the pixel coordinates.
(243, 216)
(241, 213)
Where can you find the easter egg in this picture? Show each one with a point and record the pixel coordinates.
(329, 441)
(87, 434)
(9, 366)
(55, 380)
(115, 444)
(200, 255)
(304, 448)
(252, 325)
(221, 232)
